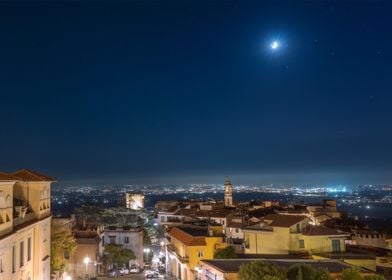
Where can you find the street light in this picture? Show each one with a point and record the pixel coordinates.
(146, 250)
(198, 272)
(67, 278)
(86, 261)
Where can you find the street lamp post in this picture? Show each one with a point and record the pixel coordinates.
(146, 250)
(86, 262)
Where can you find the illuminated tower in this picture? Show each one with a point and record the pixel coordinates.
(228, 193)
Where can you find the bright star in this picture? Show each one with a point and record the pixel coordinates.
(274, 45)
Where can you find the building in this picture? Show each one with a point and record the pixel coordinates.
(234, 233)
(134, 201)
(129, 237)
(228, 269)
(189, 245)
(25, 219)
(368, 238)
(89, 248)
(285, 234)
(228, 193)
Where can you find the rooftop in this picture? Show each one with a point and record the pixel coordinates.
(189, 236)
(31, 176)
(321, 230)
(284, 220)
(8, 177)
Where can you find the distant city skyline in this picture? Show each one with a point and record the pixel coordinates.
(191, 92)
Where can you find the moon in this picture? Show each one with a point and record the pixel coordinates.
(274, 45)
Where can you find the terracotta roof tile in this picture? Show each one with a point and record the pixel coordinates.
(7, 177)
(32, 176)
(186, 237)
(283, 220)
(321, 230)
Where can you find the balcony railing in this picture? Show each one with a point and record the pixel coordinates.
(172, 250)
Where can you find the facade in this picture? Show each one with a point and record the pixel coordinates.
(368, 238)
(90, 248)
(25, 219)
(235, 235)
(285, 234)
(134, 201)
(129, 237)
(228, 193)
(188, 246)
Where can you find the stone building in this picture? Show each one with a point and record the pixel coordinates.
(25, 217)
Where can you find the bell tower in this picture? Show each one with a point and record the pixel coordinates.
(228, 193)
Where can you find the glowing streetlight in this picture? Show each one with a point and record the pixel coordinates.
(146, 250)
(86, 262)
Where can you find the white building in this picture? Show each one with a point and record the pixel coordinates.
(129, 237)
(25, 218)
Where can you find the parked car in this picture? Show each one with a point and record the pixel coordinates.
(134, 269)
(152, 275)
(123, 270)
(113, 273)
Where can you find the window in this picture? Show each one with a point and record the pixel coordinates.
(237, 230)
(126, 239)
(1, 265)
(13, 258)
(301, 244)
(29, 249)
(21, 260)
(103, 241)
(336, 246)
(112, 239)
(247, 243)
(200, 254)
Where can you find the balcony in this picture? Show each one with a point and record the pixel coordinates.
(173, 252)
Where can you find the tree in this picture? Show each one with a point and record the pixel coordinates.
(374, 277)
(260, 270)
(117, 254)
(307, 272)
(226, 253)
(62, 246)
(351, 274)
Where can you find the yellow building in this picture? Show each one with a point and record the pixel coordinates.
(285, 234)
(25, 226)
(188, 246)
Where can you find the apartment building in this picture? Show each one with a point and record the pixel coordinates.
(285, 234)
(189, 245)
(25, 217)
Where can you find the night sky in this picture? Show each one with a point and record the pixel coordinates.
(157, 92)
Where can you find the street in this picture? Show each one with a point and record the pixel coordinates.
(138, 276)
